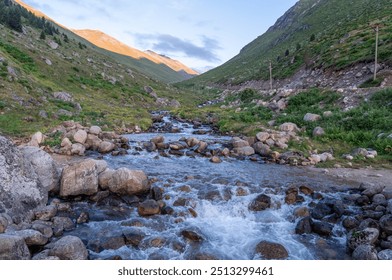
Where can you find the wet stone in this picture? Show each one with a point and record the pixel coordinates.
(167, 210)
(156, 193)
(271, 251)
(148, 208)
(304, 226)
(133, 223)
(369, 223)
(261, 202)
(301, 212)
(180, 202)
(306, 190)
(192, 235)
(350, 223)
(321, 210)
(373, 214)
(83, 218)
(322, 228)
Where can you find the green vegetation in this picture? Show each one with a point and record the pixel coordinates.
(332, 34)
(108, 87)
(24, 59)
(367, 125)
(371, 83)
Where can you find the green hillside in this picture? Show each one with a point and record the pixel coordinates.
(327, 34)
(38, 59)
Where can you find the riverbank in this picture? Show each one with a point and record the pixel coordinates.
(181, 195)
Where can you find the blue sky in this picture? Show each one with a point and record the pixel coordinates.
(200, 33)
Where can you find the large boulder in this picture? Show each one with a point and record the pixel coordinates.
(20, 189)
(80, 136)
(80, 179)
(96, 130)
(44, 166)
(239, 143)
(128, 182)
(271, 251)
(244, 151)
(262, 149)
(69, 248)
(106, 147)
(262, 136)
(13, 248)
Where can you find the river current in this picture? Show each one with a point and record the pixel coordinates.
(211, 200)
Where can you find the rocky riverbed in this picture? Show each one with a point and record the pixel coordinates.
(182, 192)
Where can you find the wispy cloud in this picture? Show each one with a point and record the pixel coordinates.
(169, 44)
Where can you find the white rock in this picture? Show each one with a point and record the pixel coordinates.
(66, 143)
(309, 117)
(96, 130)
(80, 136)
(78, 149)
(262, 136)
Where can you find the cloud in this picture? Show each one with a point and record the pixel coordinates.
(169, 44)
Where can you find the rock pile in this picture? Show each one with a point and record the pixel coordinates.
(32, 228)
(76, 140)
(366, 216)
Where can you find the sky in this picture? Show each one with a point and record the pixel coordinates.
(202, 34)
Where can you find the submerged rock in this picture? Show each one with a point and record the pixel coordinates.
(261, 202)
(148, 208)
(271, 251)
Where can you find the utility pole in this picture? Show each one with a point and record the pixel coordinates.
(376, 54)
(270, 70)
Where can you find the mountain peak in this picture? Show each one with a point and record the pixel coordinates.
(107, 42)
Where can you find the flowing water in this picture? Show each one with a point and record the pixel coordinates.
(211, 200)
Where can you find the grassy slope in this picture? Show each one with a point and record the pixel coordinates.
(21, 99)
(343, 35)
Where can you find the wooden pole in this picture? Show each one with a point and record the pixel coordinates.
(270, 70)
(376, 55)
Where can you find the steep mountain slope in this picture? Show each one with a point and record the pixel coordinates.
(48, 75)
(316, 34)
(107, 42)
(165, 70)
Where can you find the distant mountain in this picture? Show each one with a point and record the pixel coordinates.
(149, 63)
(313, 34)
(109, 43)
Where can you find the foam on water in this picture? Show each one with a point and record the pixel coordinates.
(229, 229)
